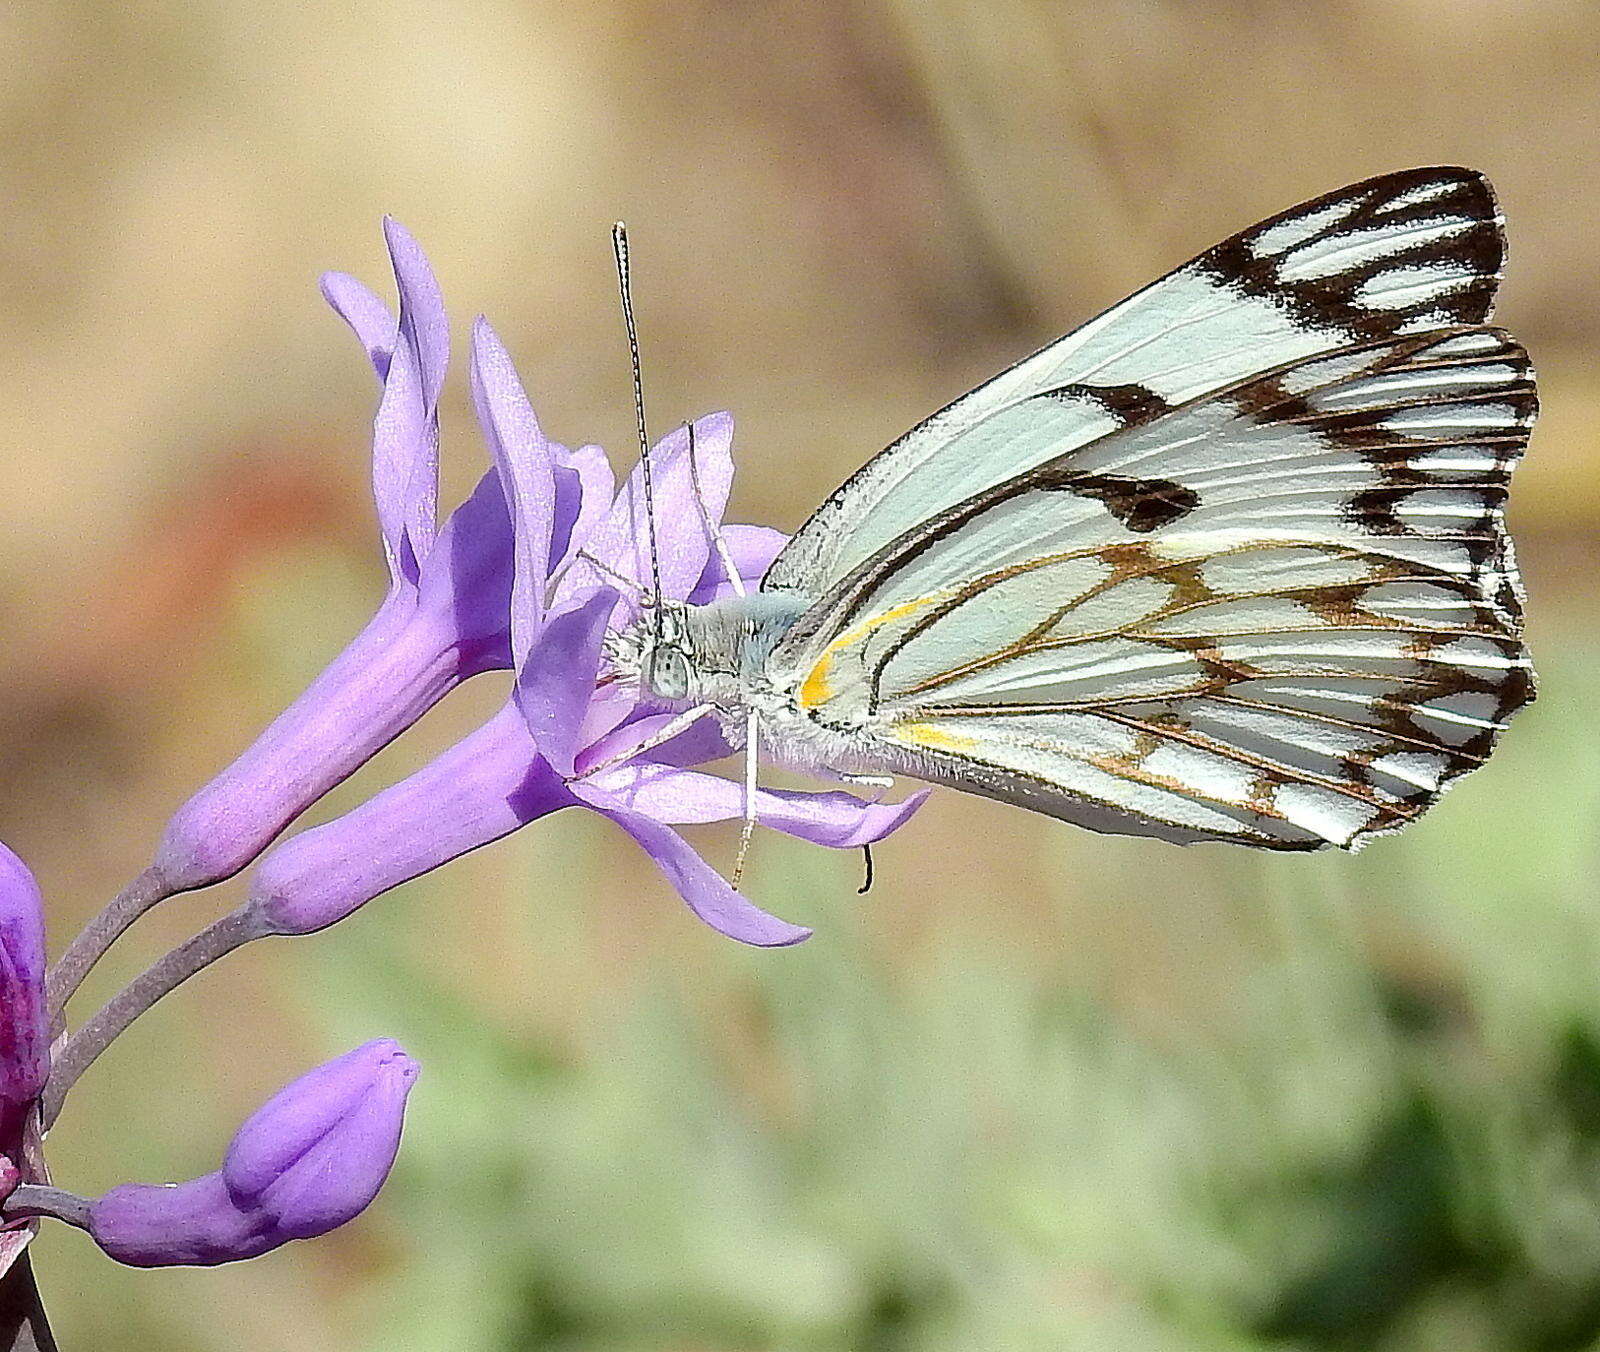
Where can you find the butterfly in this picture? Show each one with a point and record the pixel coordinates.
(1226, 563)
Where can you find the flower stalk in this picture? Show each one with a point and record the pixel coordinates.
(83, 1048)
(23, 1325)
(91, 943)
(40, 1199)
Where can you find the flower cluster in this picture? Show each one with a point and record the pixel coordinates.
(542, 561)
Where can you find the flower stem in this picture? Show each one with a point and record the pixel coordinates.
(216, 940)
(23, 1326)
(38, 1199)
(99, 934)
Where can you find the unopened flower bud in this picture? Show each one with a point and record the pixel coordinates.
(308, 1160)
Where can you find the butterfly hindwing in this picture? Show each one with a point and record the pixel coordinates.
(1393, 255)
(1285, 612)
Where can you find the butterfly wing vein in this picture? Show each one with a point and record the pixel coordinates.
(1275, 606)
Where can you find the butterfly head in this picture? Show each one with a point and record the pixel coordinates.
(654, 652)
(715, 652)
(665, 668)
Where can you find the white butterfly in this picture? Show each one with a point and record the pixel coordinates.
(1226, 563)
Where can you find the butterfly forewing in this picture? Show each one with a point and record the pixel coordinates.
(1285, 612)
(1394, 255)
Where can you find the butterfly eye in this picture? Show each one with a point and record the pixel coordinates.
(669, 673)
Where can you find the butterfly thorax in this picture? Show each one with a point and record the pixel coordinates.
(711, 654)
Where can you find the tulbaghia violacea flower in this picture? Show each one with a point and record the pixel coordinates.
(534, 572)
(439, 623)
(444, 618)
(311, 1158)
(564, 737)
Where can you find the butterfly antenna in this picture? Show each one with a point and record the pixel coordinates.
(619, 246)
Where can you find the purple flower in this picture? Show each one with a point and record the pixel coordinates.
(563, 739)
(24, 1046)
(308, 1160)
(24, 1024)
(444, 618)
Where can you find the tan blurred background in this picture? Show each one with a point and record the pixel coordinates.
(844, 214)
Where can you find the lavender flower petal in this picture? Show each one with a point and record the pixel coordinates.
(313, 1157)
(527, 473)
(622, 540)
(708, 895)
(486, 786)
(465, 585)
(557, 679)
(834, 818)
(24, 1025)
(578, 513)
(368, 317)
(753, 548)
(405, 431)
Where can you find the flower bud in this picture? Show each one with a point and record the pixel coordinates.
(307, 1161)
(24, 1024)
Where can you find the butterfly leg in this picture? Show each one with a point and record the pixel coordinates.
(713, 531)
(665, 733)
(636, 593)
(751, 731)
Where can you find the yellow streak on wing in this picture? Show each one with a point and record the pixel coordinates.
(816, 689)
(933, 737)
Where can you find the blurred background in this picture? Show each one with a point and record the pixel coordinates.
(1039, 1089)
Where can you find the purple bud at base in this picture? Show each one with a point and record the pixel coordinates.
(24, 1024)
(306, 1162)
